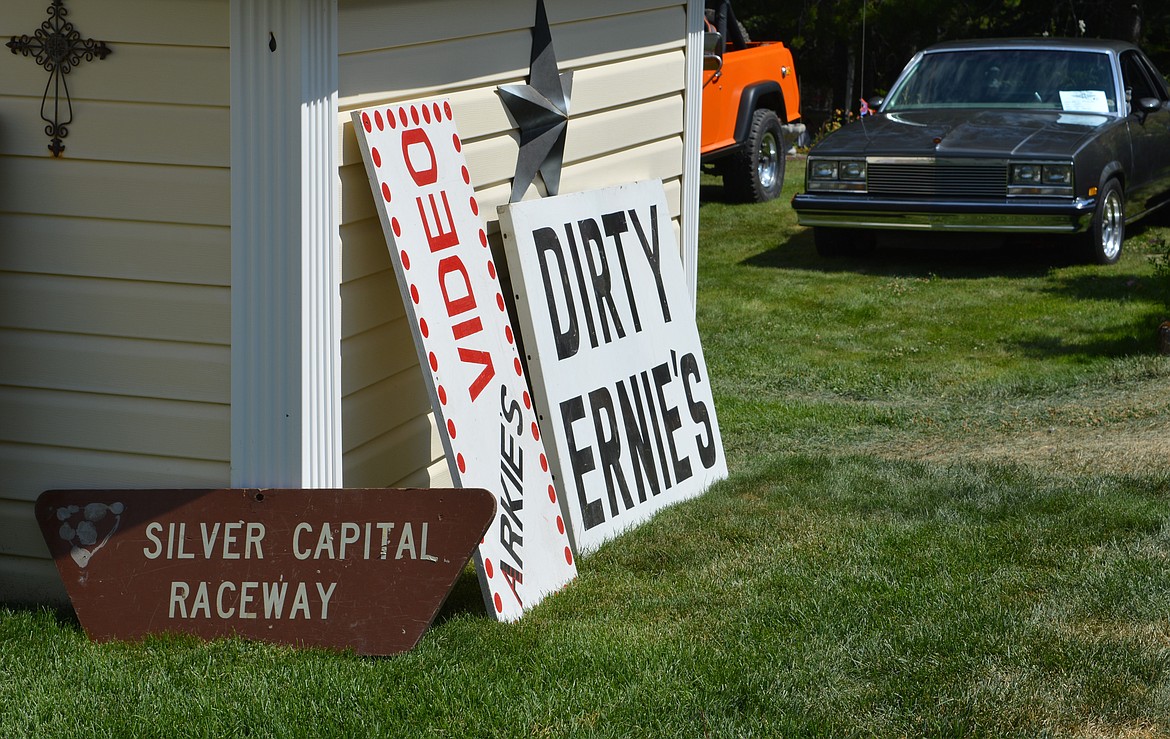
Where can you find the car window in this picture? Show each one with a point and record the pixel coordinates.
(1139, 79)
(1055, 79)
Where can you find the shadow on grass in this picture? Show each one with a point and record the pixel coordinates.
(1137, 335)
(465, 599)
(712, 193)
(949, 256)
(64, 616)
(1142, 297)
(1117, 285)
(1133, 343)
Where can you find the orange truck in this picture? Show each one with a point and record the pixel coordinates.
(749, 92)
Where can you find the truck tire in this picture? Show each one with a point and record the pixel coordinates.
(755, 173)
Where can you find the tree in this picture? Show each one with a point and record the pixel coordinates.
(837, 62)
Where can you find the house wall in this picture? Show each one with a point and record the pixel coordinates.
(115, 267)
(115, 259)
(626, 124)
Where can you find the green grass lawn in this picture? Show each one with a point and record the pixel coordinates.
(948, 515)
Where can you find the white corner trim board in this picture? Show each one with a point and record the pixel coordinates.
(286, 312)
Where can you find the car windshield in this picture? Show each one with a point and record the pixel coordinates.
(1052, 79)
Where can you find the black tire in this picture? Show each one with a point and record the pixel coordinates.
(842, 242)
(755, 173)
(1102, 243)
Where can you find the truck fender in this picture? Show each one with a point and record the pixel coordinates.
(765, 94)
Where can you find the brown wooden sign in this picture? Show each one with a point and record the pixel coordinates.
(361, 569)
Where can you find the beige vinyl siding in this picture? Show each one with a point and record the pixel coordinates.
(626, 124)
(115, 266)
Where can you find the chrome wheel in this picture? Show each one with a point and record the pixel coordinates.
(1104, 240)
(766, 161)
(1112, 226)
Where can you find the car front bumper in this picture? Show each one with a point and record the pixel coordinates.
(999, 216)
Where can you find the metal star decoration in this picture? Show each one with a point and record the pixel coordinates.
(541, 111)
(58, 47)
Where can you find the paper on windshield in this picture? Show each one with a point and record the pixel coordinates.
(1087, 101)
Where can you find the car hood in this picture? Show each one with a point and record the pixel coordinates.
(985, 133)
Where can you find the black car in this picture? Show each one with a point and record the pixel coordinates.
(1041, 135)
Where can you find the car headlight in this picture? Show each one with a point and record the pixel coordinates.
(852, 171)
(1057, 174)
(822, 169)
(836, 174)
(1040, 178)
(1026, 174)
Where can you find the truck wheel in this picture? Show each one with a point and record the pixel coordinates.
(1102, 242)
(755, 173)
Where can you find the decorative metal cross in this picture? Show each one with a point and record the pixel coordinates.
(57, 47)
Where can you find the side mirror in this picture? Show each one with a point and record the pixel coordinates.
(1149, 105)
(712, 45)
(876, 102)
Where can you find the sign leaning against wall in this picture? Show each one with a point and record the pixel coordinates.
(467, 347)
(614, 355)
(360, 569)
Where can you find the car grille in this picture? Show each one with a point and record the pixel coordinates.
(949, 179)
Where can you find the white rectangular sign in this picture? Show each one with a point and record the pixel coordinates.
(466, 345)
(1085, 101)
(614, 355)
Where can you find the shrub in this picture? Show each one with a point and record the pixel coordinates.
(837, 120)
